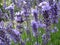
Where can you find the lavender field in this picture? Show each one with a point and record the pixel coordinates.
(29, 22)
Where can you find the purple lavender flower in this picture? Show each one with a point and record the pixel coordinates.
(26, 14)
(19, 3)
(19, 18)
(42, 25)
(28, 3)
(50, 2)
(3, 38)
(54, 13)
(14, 34)
(11, 8)
(26, 9)
(34, 26)
(35, 14)
(35, 29)
(45, 9)
(12, 14)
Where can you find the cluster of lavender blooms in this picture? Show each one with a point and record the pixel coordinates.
(8, 32)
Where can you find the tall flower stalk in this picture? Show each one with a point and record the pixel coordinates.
(19, 27)
(4, 40)
(19, 21)
(45, 9)
(13, 33)
(35, 30)
(27, 11)
(11, 9)
(35, 14)
(54, 11)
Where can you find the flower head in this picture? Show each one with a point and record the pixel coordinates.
(44, 6)
(35, 14)
(19, 18)
(34, 26)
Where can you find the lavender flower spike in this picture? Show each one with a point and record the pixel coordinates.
(34, 26)
(35, 30)
(44, 6)
(19, 18)
(35, 14)
(4, 40)
(46, 9)
(11, 9)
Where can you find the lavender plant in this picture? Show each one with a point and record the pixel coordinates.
(28, 22)
(45, 9)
